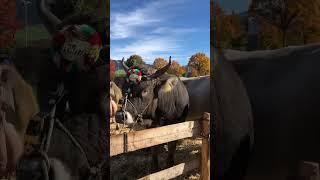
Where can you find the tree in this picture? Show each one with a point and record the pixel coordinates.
(280, 13)
(134, 60)
(113, 67)
(227, 29)
(307, 24)
(199, 64)
(158, 63)
(298, 22)
(176, 69)
(270, 36)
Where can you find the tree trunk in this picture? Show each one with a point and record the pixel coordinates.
(304, 39)
(284, 37)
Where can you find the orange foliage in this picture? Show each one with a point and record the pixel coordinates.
(199, 64)
(159, 63)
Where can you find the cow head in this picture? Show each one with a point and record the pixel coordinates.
(142, 101)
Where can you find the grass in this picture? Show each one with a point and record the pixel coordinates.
(120, 73)
(35, 33)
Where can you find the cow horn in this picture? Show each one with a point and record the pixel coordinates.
(162, 70)
(125, 67)
(51, 20)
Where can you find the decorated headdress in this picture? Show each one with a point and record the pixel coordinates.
(79, 44)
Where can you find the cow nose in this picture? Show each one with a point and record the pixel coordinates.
(120, 116)
(121, 101)
(124, 117)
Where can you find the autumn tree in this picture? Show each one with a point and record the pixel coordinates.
(158, 63)
(307, 24)
(134, 60)
(226, 28)
(199, 64)
(113, 67)
(176, 69)
(280, 13)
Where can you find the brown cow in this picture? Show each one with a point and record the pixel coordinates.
(18, 106)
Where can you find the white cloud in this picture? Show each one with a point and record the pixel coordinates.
(126, 24)
(148, 48)
(177, 31)
(147, 33)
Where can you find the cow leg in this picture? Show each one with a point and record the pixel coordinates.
(171, 150)
(155, 161)
(3, 149)
(240, 161)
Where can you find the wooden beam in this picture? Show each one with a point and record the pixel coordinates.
(174, 171)
(205, 147)
(309, 171)
(151, 137)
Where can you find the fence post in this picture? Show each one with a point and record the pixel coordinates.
(205, 148)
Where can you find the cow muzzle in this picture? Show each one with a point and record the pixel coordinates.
(124, 117)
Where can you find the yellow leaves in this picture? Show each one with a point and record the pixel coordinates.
(159, 63)
(175, 67)
(298, 22)
(199, 64)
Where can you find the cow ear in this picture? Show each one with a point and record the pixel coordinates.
(168, 84)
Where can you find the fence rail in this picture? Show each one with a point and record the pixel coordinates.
(133, 141)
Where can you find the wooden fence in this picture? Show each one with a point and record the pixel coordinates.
(133, 141)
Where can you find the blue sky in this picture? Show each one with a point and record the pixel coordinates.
(236, 5)
(159, 28)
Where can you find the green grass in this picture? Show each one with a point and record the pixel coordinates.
(120, 73)
(35, 33)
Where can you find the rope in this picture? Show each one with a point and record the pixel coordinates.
(73, 140)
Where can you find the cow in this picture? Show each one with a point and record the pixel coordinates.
(115, 96)
(161, 97)
(18, 106)
(280, 87)
(115, 92)
(199, 91)
(87, 98)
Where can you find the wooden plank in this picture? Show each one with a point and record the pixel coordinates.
(174, 171)
(155, 136)
(205, 147)
(309, 171)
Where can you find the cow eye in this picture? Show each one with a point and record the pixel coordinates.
(144, 92)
